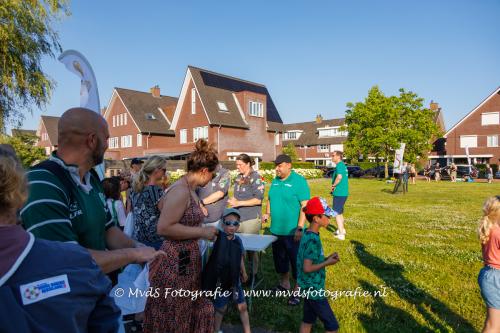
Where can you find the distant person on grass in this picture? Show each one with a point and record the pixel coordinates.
(489, 173)
(288, 194)
(340, 192)
(311, 264)
(489, 276)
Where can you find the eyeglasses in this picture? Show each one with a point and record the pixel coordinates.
(233, 223)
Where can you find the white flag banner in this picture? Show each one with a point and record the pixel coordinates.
(76, 63)
(398, 159)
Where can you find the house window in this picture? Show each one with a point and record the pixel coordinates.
(222, 106)
(256, 109)
(139, 140)
(114, 121)
(45, 137)
(113, 143)
(276, 139)
(323, 148)
(468, 141)
(150, 116)
(126, 141)
(331, 132)
(200, 133)
(125, 120)
(492, 141)
(193, 101)
(183, 136)
(291, 135)
(490, 118)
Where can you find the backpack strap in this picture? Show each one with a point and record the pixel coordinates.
(61, 174)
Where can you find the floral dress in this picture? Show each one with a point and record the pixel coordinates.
(179, 269)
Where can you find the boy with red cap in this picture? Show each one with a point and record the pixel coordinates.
(311, 265)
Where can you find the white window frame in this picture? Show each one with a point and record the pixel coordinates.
(114, 121)
(490, 118)
(276, 139)
(193, 100)
(183, 136)
(492, 141)
(126, 141)
(463, 144)
(125, 120)
(256, 109)
(139, 140)
(200, 133)
(222, 106)
(323, 148)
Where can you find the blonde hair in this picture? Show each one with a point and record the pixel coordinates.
(491, 217)
(153, 163)
(13, 184)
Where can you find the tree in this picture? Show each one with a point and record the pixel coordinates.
(377, 126)
(291, 151)
(25, 147)
(26, 36)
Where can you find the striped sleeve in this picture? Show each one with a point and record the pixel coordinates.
(46, 213)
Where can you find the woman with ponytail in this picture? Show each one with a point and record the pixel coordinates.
(181, 224)
(146, 204)
(489, 276)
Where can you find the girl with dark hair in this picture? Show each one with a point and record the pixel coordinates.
(248, 195)
(181, 224)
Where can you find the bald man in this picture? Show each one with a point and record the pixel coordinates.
(66, 202)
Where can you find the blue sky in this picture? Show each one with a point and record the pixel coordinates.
(313, 56)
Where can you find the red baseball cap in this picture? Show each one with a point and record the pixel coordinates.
(317, 206)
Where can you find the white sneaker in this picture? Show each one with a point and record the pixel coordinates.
(337, 232)
(340, 236)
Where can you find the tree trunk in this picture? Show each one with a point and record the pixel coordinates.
(386, 168)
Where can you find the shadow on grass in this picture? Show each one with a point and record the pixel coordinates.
(385, 316)
(438, 316)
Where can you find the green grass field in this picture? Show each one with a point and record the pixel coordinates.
(421, 246)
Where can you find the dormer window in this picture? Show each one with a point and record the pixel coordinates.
(222, 106)
(256, 109)
(292, 135)
(328, 132)
(150, 116)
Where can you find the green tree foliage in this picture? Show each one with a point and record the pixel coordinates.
(291, 151)
(378, 125)
(26, 35)
(25, 147)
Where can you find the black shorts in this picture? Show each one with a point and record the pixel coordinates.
(320, 308)
(285, 251)
(338, 204)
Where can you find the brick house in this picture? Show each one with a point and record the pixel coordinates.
(139, 123)
(315, 141)
(47, 133)
(238, 116)
(478, 130)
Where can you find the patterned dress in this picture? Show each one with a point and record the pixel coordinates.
(179, 269)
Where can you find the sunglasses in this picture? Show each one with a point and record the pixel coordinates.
(233, 223)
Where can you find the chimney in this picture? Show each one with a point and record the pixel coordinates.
(319, 119)
(434, 106)
(155, 91)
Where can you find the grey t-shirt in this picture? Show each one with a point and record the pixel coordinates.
(246, 188)
(220, 182)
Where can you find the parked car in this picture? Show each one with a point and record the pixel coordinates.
(378, 172)
(497, 174)
(352, 171)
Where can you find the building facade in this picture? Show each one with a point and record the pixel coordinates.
(315, 141)
(477, 132)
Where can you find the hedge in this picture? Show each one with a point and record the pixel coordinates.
(295, 165)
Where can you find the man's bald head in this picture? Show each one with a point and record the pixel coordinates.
(76, 123)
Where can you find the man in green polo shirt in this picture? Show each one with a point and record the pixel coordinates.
(288, 194)
(67, 204)
(340, 192)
